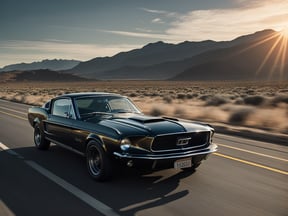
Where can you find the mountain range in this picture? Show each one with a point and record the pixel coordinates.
(262, 55)
(249, 57)
(54, 64)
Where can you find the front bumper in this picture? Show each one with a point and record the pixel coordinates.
(163, 156)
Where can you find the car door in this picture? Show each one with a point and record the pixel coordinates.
(59, 125)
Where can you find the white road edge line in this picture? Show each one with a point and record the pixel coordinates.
(4, 147)
(16, 111)
(91, 201)
(4, 209)
(101, 207)
(9, 151)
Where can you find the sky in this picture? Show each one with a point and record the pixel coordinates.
(33, 30)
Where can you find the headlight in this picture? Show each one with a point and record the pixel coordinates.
(125, 144)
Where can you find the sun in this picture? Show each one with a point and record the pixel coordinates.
(284, 32)
(277, 55)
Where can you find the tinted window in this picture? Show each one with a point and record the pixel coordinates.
(64, 108)
(109, 104)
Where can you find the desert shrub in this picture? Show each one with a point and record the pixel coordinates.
(133, 95)
(250, 92)
(279, 99)
(189, 96)
(167, 99)
(239, 101)
(240, 116)
(254, 100)
(216, 101)
(154, 94)
(205, 97)
(181, 96)
(155, 111)
(179, 112)
(283, 91)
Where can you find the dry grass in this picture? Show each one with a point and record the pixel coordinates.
(260, 105)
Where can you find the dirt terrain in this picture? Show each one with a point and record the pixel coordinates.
(247, 104)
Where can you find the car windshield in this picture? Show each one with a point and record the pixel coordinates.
(105, 105)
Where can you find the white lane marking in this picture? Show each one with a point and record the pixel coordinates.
(10, 114)
(94, 203)
(252, 152)
(4, 209)
(91, 201)
(9, 151)
(13, 110)
(4, 147)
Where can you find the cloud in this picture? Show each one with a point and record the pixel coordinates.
(226, 24)
(218, 24)
(160, 12)
(137, 34)
(154, 11)
(157, 20)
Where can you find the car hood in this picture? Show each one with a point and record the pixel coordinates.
(137, 124)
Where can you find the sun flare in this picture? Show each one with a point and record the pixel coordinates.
(284, 32)
(276, 55)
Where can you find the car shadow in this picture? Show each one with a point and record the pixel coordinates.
(130, 190)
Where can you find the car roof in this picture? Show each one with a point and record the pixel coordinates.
(88, 94)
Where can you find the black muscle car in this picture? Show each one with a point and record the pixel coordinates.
(107, 127)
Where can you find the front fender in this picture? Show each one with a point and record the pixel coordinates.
(36, 115)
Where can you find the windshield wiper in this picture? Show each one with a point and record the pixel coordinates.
(93, 114)
(122, 111)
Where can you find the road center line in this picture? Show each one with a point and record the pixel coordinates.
(91, 201)
(252, 152)
(251, 163)
(10, 114)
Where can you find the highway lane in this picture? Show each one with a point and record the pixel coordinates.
(229, 182)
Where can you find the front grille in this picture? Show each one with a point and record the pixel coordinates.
(181, 141)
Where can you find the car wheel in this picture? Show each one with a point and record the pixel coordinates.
(39, 138)
(98, 163)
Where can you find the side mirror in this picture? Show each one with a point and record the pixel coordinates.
(67, 115)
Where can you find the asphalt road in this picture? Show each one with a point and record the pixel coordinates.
(244, 177)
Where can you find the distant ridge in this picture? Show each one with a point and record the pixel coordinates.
(43, 75)
(55, 64)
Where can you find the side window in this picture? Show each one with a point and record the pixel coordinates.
(63, 108)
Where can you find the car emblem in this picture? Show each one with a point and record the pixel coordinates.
(183, 141)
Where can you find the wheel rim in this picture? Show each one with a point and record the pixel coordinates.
(37, 136)
(94, 160)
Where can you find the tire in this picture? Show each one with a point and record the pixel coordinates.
(39, 138)
(98, 163)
